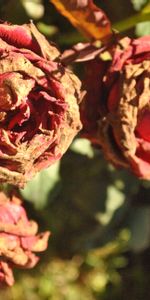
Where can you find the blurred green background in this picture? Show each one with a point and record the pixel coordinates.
(99, 217)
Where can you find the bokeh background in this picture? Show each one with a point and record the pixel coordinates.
(99, 217)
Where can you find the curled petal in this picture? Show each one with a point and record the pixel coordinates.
(120, 101)
(18, 239)
(39, 114)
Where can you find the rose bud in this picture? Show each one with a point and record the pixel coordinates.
(116, 109)
(39, 113)
(18, 239)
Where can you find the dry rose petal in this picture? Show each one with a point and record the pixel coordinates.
(116, 110)
(18, 239)
(39, 113)
(86, 17)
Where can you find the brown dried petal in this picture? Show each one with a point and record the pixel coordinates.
(86, 17)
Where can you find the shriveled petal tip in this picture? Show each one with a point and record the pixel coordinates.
(28, 37)
(6, 275)
(18, 36)
(18, 239)
(47, 49)
(36, 243)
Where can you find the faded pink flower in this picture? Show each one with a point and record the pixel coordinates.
(18, 239)
(39, 98)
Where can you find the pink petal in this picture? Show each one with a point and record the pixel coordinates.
(18, 36)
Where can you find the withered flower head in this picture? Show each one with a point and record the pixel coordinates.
(39, 113)
(18, 239)
(116, 111)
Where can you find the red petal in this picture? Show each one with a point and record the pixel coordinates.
(140, 162)
(143, 127)
(142, 45)
(141, 168)
(18, 36)
(113, 97)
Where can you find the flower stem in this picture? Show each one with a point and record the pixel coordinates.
(131, 21)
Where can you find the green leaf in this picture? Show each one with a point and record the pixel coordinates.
(114, 200)
(41, 186)
(47, 30)
(83, 147)
(34, 8)
(138, 4)
(143, 28)
(140, 228)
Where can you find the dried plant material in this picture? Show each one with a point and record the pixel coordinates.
(18, 239)
(86, 17)
(39, 104)
(116, 109)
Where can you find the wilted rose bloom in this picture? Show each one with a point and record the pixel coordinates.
(39, 113)
(18, 239)
(116, 110)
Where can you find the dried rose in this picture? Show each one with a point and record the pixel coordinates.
(116, 110)
(18, 239)
(39, 113)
